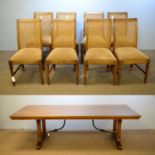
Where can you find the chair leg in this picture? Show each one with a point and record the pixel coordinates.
(77, 49)
(77, 73)
(41, 72)
(82, 53)
(43, 64)
(54, 66)
(23, 68)
(114, 75)
(131, 66)
(119, 74)
(147, 71)
(85, 73)
(47, 73)
(12, 74)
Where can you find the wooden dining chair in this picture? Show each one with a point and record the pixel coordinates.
(117, 15)
(98, 43)
(64, 45)
(125, 45)
(46, 27)
(29, 47)
(88, 15)
(112, 16)
(68, 16)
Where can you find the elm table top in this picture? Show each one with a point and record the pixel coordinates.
(39, 112)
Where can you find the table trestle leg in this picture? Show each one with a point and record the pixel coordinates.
(117, 133)
(41, 133)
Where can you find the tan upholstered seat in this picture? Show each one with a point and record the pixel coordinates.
(27, 56)
(64, 44)
(62, 56)
(130, 55)
(88, 15)
(125, 44)
(98, 43)
(46, 27)
(29, 45)
(99, 56)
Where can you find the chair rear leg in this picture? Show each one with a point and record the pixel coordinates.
(12, 73)
(41, 72)
(47, 73)
(131, 66)
(54, 66)
(114, 75)
(85, 73)
(23, 68)
(147, 71)
(77, 73)
(118, 74)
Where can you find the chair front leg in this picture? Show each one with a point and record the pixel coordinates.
(147, 71)
(41, 72)
(12, 73)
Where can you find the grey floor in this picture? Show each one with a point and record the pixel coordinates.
(63, 81)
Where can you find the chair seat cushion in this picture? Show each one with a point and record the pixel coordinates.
(46, 40)
(99, 56)
(62, 56)
(130, 55)
(27, 56)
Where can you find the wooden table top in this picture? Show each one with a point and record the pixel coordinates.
(75, 112)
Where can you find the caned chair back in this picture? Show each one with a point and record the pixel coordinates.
(117, 15)
(125, 32)
(64, 33)
(29, 33)
(92, 15)
(98, 33)
(66, 15)
(46, 27)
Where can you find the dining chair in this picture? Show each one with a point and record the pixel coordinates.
(29, 47)
(125, 46)
(98, 46)
(64, 46)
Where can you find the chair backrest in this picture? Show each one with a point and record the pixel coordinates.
(125, 32)
(91, 15)
(66, 15)
(64, 33)
(29, 33)
(117, 15)
(98, 33)
(46, 27)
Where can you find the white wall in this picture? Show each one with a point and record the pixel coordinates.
(144, 105)
(144, 10)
